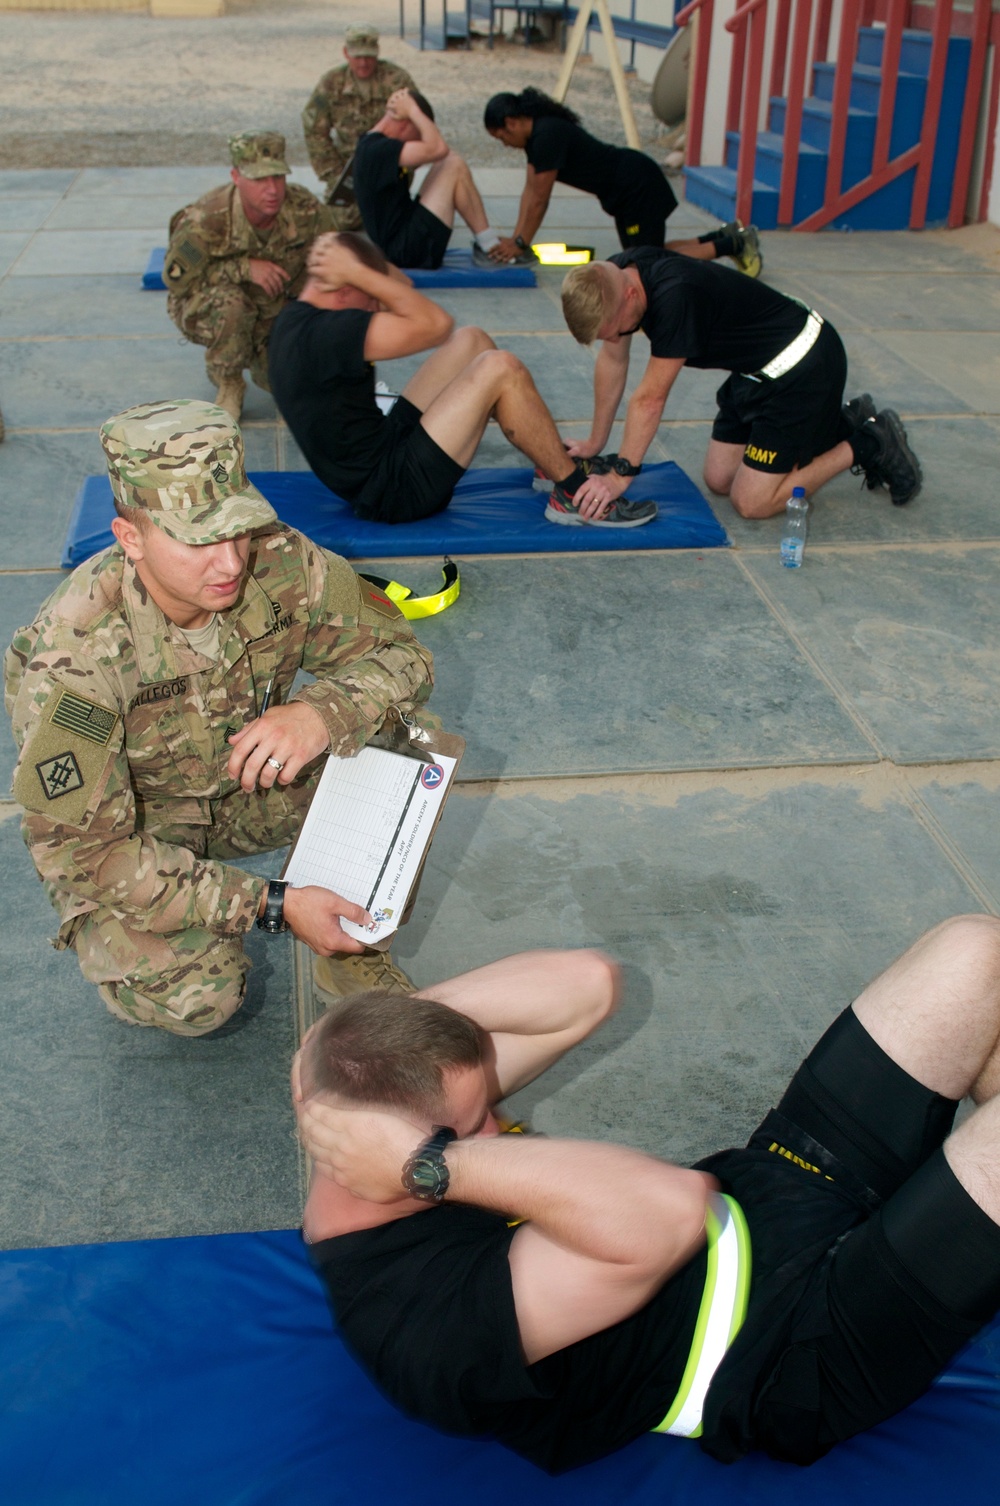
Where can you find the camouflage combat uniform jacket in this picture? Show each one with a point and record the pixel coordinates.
(340, 110)
(212, 242)
(122, 725)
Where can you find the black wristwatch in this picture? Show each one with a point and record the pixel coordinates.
(273, 918)
(520, 242)
(425, 1175)
(623, 467)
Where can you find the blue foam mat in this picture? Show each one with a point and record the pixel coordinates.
(206, 1371)
(456, 271)
(494, 511)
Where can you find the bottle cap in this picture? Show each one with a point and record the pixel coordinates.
(798, 491)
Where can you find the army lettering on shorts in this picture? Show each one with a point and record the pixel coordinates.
(62, 764)
(762, 457)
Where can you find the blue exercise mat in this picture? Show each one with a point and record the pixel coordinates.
(456, 271)
(493, 511)
(207, 1371)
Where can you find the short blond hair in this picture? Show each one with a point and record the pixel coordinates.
(589, 296)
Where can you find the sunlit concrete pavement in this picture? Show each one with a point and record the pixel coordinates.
(753, 786)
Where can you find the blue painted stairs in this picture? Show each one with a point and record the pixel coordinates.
(714, 188)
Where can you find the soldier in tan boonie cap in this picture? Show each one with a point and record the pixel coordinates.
(154, 703)
(361, 42)
(182, 463)
(345, 103)
(236, 256)
(259, 154)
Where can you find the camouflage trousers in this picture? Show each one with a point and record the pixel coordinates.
(233, 326)
(188, 982)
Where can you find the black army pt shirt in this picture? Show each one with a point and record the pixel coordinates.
(711, 316)
(326, 392)
(426, 1305)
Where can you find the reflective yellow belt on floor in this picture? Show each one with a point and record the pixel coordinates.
(420, 606)
(720, 1316)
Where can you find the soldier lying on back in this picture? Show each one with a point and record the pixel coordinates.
(147, 757)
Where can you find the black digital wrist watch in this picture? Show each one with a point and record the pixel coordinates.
(425, 1175)
(273, 918)
(623, 467)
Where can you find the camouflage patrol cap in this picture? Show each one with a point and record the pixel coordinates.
(362, 41)
(182, 463)
(259, 154)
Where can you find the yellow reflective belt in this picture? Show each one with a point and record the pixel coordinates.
(420, 606)
(720, 1316)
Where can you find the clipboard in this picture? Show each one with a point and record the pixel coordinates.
(371, 820)
(341, 194)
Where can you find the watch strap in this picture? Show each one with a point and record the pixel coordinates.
(273, 918)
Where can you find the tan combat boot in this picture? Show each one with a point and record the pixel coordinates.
(230, 396)
(354, 972)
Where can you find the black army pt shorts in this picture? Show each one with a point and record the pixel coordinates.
(422, 243)
(789, 421)
(414, 477)
(872, 1266)
(643, 220)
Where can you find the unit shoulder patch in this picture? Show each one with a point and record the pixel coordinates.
(66, 757)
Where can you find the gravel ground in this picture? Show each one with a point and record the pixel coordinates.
(86, 89)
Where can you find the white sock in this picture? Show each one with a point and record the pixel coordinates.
(488, 238)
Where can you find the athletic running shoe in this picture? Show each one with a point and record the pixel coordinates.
(749, 257)
(490, 264)
(898, 467)
(624, 512)
(859, 411)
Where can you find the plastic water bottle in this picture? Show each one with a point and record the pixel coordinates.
(793, 538)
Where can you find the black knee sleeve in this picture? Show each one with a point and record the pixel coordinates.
(945, 1240)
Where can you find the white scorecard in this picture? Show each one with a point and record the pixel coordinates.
(367, 830)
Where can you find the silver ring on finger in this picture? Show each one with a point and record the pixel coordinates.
(275, 764)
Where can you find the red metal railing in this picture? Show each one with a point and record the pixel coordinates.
(801, 37)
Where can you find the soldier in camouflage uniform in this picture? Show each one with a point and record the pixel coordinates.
(345, 104)
(235, 258)
(135, 697)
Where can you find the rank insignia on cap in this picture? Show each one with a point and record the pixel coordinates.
(76, 714)
(60, 775)
(220, 473)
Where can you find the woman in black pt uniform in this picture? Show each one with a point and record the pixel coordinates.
(628, 184)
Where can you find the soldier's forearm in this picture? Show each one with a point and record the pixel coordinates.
(354, 704)
(156, 886)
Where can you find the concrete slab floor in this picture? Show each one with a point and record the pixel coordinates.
(835, 728)
(539, 687)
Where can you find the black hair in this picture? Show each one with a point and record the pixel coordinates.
(530, 103)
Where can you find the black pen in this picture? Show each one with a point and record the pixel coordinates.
(267, 697)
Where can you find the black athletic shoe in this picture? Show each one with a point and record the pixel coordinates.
(859, 411)
(748, 256)
(898, 467)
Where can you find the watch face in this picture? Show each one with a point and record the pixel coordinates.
(427, 1176)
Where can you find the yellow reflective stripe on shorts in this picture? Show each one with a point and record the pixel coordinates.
(420, 606)
(720, 1316)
